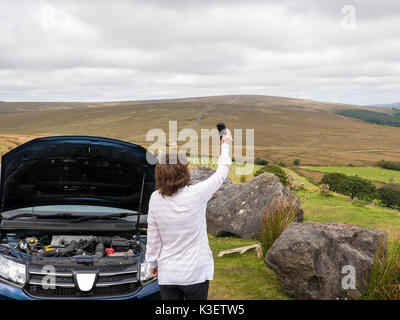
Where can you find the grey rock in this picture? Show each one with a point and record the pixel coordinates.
(238, 209)
(309, 259)
(202, 173)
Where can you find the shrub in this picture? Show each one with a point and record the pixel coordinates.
(391, 165)
(291, 182)
(260, 162)
(352, 186)
(384, 280)
(389, 197)
(296, 162)
(335, 181)
(324, 190)
(274, 169)
(361, 188)
(277, 218)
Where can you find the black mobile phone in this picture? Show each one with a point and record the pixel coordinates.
(221, 127)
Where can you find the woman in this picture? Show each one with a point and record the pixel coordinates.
(177, 244)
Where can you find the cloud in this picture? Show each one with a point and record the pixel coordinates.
(122, 50)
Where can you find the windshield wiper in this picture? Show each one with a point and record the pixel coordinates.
(55, 215)
(105, 216)
(75, 218)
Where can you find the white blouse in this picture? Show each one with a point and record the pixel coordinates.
(177, 239)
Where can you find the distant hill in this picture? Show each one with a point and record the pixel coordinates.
(380, 118)
(388, 105)
(7, 107)
(285, 128)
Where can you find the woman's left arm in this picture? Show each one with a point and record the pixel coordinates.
(153, 246)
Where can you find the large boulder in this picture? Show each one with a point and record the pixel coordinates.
(317, 260)
(202, 173)
(238, 209)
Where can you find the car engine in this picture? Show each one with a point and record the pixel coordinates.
(75, 245)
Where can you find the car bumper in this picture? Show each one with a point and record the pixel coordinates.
(148, 291)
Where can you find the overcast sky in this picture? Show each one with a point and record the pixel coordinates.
(341, 51)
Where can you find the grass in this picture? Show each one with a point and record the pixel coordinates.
(247, 277)
(320, 208)
(337, 207)
(384, 281)
(277, 218)
(239, 276)
(300, 179)
(285, 129)
(369, 173)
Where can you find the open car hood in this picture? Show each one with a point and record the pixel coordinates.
(76, 170)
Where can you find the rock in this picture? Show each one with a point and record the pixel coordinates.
(237, 209)
(309, 259)
(202, 173)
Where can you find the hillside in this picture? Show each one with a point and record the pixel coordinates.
(285, 128)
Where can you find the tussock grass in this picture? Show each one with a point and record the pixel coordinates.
(277, 218)
(384, 281)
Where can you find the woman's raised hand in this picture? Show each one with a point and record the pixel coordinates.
(227, 137)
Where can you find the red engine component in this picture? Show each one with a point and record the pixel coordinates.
(109, 251)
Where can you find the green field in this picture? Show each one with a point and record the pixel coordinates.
(369, 173)
(247, 277)
(239, 276)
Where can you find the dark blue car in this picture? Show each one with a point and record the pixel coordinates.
(73, 213)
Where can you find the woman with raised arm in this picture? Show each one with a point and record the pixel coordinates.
(177, 243)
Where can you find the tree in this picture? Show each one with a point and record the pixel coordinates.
(335, 181)
(296, 162)
(352, 186)
(360, 188)
(389, 197)
(391, 165)
(261, 162)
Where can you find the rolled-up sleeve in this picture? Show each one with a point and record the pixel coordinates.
(153, 247)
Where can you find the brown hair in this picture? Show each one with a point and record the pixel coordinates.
(170, 177)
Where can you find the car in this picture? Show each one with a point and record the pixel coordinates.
(73, 220)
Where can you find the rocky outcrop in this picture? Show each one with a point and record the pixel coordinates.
(238, 209)
(318, 260)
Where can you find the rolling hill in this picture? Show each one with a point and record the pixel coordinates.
(285, 128)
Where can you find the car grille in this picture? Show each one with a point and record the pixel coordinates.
(112, 281)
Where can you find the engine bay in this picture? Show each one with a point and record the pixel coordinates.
(45, 245)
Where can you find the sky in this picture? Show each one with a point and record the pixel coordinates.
(336, 51)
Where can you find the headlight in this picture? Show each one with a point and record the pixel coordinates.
(12, 271)
(145, 272)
